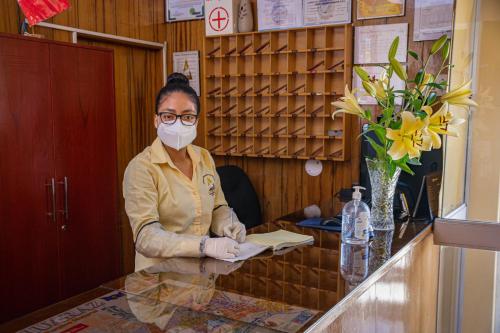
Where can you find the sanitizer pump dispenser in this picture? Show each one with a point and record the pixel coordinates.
(356, 219)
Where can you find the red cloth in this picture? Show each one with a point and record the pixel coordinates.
(40, 10)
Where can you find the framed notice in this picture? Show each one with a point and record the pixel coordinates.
(279, 14)
(371, 42)
(369, 9)
(188, 63)
(319, 12)
(433, 18)
(184, 10)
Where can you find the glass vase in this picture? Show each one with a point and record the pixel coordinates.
(383, 187)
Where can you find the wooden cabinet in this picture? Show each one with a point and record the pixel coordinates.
(58, 184)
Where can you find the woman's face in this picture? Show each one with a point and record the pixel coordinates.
(177, 103)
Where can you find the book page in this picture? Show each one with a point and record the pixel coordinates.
(247, 250)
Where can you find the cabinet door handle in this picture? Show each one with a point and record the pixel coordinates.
(64, 182)
(52, 185)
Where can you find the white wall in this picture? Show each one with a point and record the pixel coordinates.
(484, 190)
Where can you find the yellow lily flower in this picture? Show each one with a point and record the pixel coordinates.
(348, 104)
(459, 96)
(409, 139)
(380, 86)
(438, 122)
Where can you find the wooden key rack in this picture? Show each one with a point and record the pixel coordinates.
(269, 94)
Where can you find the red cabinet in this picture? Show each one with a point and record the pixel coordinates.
(58, 183)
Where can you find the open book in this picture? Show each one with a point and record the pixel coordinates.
(276, 240)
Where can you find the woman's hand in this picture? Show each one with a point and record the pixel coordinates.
(236, 231)
(221, 248)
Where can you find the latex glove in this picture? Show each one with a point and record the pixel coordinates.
(236, 231)
(221, 248)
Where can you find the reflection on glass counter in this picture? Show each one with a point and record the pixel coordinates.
(285, 291)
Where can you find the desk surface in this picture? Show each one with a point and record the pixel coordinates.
(288, 291)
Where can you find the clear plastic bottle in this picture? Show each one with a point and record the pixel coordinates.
(354, 263)
(356, 219)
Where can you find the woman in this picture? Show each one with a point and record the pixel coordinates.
(172, 192)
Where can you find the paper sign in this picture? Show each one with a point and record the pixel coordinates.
(279, 14)
(183, 10)
(369, 9)
(188, 63)
(319, 12)
(433, 18)
(372, 42)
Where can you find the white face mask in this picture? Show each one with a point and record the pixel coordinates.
(176, 136)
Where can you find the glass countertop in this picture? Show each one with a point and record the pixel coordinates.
(285, 291)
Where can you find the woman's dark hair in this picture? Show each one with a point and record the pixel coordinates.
(178, 82)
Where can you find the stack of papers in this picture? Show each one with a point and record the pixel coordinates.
(276, 240)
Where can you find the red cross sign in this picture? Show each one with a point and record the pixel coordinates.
(218, 18)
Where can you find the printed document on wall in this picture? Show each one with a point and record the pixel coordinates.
(188, 63)
(372, 42)
(319, 12)
(183, 10)
(279, 14)
(433, 18)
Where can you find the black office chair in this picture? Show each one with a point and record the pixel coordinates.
(240, 195)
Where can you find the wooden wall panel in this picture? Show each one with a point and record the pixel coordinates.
(282, 185)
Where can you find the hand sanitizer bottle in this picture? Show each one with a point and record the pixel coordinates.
(355, 219)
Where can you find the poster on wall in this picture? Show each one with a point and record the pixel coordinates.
(188, 63)
(375, 71)
(433, 18)
(184, 10)
(279, 14)
(369, 9)
(371, 42)
(318, 12)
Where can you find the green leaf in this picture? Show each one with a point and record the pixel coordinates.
(405, 167)
(432, 98)
(435, 85)
(380, 133)
(398, 69)
(362, 73)
(417, 104)
(387, 113)
(368, 114)
(446, 50)
(378, 148)
(421, 114)
(392, 168)
(413, 54)
(393, 49)
(419, 78)
(439, 44)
